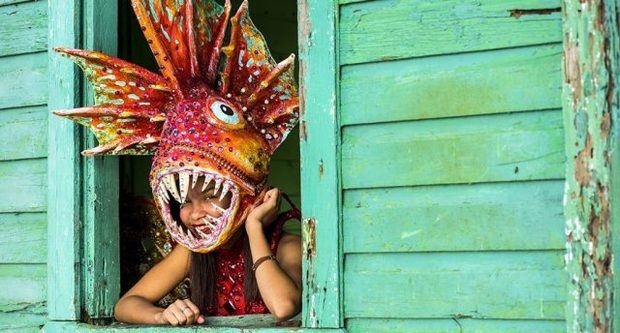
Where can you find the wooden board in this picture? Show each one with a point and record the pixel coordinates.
(23, 133)
(520, 146)
(422, 28)
(24, 238)
(497, 81)
(455, 325)
(23, 288)
(24, 80)
(478, 217)
(23, 186)
(511, 284)
(23, 28)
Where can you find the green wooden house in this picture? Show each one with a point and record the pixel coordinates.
(455, 164)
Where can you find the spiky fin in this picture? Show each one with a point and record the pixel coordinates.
(130, 104)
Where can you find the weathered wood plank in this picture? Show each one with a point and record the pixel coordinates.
(21, 322)
(74, 327)
(23, 288)
(591, 103)
(479, 217)
(501, 285)
(520, 146)
(64, 187)
(23, 133)
(13, 2)
(24, 80)
(319, 141)
(23, 28)
(23, 186)
(497, 81)
(394, 29)
(456, 325)
(100, 256)
(24, 237)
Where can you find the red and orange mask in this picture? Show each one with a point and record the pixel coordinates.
(214, 113)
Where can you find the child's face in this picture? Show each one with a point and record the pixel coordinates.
(201, 206)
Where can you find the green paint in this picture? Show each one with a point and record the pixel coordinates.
(19, 193)
(23, 133)
(394, 29)
(497, 81)
(320, 140)
(23, 28)
(476, 217)
(455, 325)
(482, 285)
(24, 238)
(510, 147)
(24, 80)
(591, 113)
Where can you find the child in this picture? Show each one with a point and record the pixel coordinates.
(222, 282)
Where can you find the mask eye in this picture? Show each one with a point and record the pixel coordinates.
(225, 113)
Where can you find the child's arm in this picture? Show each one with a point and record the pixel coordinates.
(279, 284)
(136, 306)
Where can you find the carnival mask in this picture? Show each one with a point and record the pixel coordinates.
(215, 113)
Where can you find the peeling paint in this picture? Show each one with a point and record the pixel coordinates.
(517, 13)
(590, 105)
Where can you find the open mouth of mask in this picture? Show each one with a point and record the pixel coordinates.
(171, 191)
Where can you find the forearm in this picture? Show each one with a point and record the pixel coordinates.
(134, 309)
(279, 292)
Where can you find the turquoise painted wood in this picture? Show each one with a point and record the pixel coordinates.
(23, 165)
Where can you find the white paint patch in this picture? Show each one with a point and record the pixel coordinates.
(133, 96)
(408, 234)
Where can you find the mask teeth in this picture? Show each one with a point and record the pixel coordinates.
(183, 184)
(224, 190)
(171, 184)
(163, 193)
(195, 176)
(202, 234)
(209, 223)
(218, 208)
(208, 179)
(213, 220)
(190, 236)
(218, 182)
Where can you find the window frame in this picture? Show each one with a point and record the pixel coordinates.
(83, 242)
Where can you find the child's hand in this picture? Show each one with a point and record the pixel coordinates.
(266, 212)
(181, 312)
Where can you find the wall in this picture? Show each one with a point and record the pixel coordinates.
(452, 165)
(23, 151)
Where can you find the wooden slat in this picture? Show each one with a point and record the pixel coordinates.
(21, 322)
(24, 237)
(64, 187)
(394, 29)
(24, 80)
(12, 2)
(23, 288)
(456, 325)
(23, 28)
(495, 81)
(319, 139)
(502, 285)
(489, 216)
(23, 186)
(23, 133)
(520, 146)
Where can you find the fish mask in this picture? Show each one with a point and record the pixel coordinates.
(213, 116)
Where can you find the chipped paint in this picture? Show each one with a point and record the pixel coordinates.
(517, 13)
(590, 105)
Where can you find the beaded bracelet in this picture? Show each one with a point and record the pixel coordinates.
(262, 260)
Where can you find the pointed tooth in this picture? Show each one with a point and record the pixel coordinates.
(208, 179)
(183, 184)
(195, 176)
(190, 236)
(202, 234)
(225, 189)
(214, 221)
(171, 184)
(218, 208)
(164, 192)
(218, 182)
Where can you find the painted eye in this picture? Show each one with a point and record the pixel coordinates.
(225, 112)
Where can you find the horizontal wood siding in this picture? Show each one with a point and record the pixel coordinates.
(23, 152)
(452, 165)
